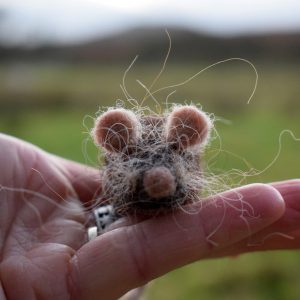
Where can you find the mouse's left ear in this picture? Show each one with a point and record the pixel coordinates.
(187, 126)
(116, 129)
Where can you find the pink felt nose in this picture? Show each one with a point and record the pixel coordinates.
(159, 182)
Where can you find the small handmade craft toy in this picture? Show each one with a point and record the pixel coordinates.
(151, 162)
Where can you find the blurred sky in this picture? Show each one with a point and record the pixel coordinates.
(64, 21)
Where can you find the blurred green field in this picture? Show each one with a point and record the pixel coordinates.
(53, 105)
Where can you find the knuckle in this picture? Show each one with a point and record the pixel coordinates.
(138, 253)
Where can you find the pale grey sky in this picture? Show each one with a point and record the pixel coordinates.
(73, 20)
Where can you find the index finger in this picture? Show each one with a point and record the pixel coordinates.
(282, 234)
(130, 256)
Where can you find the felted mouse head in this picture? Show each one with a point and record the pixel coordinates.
(152, 163)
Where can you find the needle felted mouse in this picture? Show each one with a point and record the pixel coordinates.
(151, 162)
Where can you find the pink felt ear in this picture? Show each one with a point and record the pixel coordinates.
(116, 129)
(187, 126)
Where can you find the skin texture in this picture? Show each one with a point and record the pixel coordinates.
(43, 248)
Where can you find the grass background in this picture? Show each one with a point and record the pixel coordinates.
(52, 105)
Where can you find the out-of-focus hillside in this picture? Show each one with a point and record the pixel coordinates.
(150, 42)
(87, 75)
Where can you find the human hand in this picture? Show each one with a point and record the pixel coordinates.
(44, 249)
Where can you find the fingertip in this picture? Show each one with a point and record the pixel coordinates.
(267, 199)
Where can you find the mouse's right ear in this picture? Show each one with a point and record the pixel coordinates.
(116, 129)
